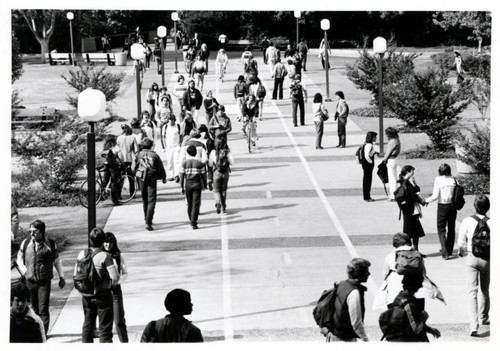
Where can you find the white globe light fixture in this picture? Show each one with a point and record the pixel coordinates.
(92, 105)
(137, 51)
(174, 16)
(70, 16)
(379, 45)
(296, 14)
(325, 24)
(162, 31)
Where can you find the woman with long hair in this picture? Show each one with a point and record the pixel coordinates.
(219, 162)
(179, 90)
(390, 157)
(341, 114)
(368, 165)
(111, 246)
(152, 98)
(198, 71)
(320, 113)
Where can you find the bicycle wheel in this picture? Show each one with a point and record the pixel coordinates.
(128, 187)
(84, 193)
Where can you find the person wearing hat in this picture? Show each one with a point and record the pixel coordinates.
(193, 179)
(298, 94)
(220, 124)
(192, 100)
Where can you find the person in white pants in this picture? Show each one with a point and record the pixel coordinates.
(172, 140)
(390, 157)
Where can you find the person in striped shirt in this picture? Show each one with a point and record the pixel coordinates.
(193, 180)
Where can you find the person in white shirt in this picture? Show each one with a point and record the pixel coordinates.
(444, 185)
(172, 140)
(477, 269)
(179, 90)
(393, 150)
(221, 62)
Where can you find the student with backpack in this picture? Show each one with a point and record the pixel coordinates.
(474, 238)
(444, 189)
(259, 90)
(149, 169)
(36, 259)
(298, 94)
(405, 320)
(341, 114)
(240, 94)
(219, 166)
(94, 275)
(368, 164)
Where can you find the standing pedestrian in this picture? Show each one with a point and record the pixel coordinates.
(298, 94)
(106, 47)
(272, 55)
(111, 170)
(193, 180)
(36, 259)
(174, 327)
(320, 114)
(368, 165)
(240, 94)
(349, 305)
(459, 67)
(152, 97)
(111, 247)
(219, 165)
(245, 56)
(263, 46)
(126, 45)
(172, 141)
(204, 54)
(128, 149)
(341, 114)
(411, 210)
(474, 238)
(192, 100)
(25, 325)
(303, 49)
(444, 185)
(279, 73)
(210, 104)
(101, 304)
(321, 53)
(390, 157)
(149, 169)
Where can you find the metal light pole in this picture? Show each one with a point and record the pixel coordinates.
(137, 53)
(91, 109)
(297, 17)
(70, 17)
(162, 33)
(379, 48)
(175, 18)
(325, 25)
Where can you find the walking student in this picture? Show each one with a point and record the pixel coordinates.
(149, 169)
(152, 98)
(210, 104)
(128, 149)
(25, 325)
(240, 93)
(320, 114)
(341, 114)
(173, 143)
(192, 100)
(474, 238)
(298, 94)
(219, 163)
(179, 90)
(111, 169)
(302, 50)
(111, 247)
(390, 157)
(220, 124)
(444, 186)
(368, 165)
(193, 180)
(279, 73)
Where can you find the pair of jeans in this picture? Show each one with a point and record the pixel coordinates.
(367, 179)
(40, 297)
(119, 313)
(446, 217)
(477, 272)
(148, 193)
(341, 130)
(303, 58)
(278, 88)
(100, 306)
(319, 133)
(193, 197)
(300, 104)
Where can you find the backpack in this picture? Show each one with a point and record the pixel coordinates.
(407, 260)
(85, 277)
(401, 197)
(391, 321)
(458, 200)
(52, 247)
(323, 312)
(481, 238)
(296, 90)
(146, 169)
(360, 154)
(222, 163)
(261, 91)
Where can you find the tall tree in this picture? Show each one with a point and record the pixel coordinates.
(479, 23)
(41, 24)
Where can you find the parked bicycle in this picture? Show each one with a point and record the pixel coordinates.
(128, 186)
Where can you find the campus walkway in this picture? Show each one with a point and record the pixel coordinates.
(295, 218)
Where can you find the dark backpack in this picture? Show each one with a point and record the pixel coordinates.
(401, 197)
(360, 154)
(481, 238)
(323, 312)
(296, 90)
(222, 163)
(146, 168)
(85, 277)
(407, 260)
(261, 91)
(458, 200)
(391, 321)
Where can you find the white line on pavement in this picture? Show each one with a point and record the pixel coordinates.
(226, 281)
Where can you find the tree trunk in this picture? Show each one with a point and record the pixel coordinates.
(44, 45)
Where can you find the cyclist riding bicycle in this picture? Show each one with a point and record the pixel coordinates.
(221, 62)
(250, 112)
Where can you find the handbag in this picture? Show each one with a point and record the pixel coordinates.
(324, 115)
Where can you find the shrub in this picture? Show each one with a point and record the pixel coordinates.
(427, 102)
(371, 111)
(428, 152)
(33, 196)
(476, 149)
(475, 183)
(478, 92)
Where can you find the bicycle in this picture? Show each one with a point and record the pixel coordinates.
(250, 130)
(102, 192)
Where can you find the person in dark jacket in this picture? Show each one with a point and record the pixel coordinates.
(25, 326)
(174, 327)
(192, 100)
(147, 179)
(111, 170)
(368, 165)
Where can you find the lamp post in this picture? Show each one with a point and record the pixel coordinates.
(380, 47)
(297, 17)
(70, 17)
(91, 109)
(137, 53)
(325, 25)
(175, 18)
(162, 33)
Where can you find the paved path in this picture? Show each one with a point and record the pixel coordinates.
(295, 218)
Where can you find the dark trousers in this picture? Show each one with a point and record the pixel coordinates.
(341, 131)
(193, 196)
(112, 175)
(300, 104)
(98, 306)
(40, 296)
(278, 88)
(148, 193)
(367, 179)
(446, 216)
(264, 55)
(119, 313)
(323, 63)
(303, 57)
(319, 133)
